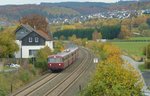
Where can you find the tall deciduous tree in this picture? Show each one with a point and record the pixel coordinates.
(8, 45)
(36, 21)
(96, 35)
(125, 32)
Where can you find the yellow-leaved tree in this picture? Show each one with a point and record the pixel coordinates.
(113, 77)
(8, 45)
(58, 46)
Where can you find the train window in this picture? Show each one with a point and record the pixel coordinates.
(54, 60)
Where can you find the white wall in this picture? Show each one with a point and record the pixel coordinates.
(25, 49)
(49, 44)
(18, 54)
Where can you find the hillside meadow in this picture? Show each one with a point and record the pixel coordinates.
(133, 49)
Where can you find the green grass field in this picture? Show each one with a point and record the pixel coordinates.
(140, 38)
(132, 48)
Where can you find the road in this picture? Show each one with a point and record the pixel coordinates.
(144, 76)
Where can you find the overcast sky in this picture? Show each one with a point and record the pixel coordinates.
(6, 2)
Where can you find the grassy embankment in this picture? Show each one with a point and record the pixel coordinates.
(134, 49)
(16, 78)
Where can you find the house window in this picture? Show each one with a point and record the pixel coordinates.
(22, 32)
(36, 39)
(32, 52)
(30, 39)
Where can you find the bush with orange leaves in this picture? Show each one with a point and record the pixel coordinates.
(111, 49)
(113, 77)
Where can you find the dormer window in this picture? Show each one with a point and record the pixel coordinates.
(36, 39)
(22, 32)
(30, 39)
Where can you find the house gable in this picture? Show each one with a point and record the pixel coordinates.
(33, 39)
(21, 32)
(30, 40)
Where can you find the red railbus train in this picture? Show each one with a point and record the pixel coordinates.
(62, 60)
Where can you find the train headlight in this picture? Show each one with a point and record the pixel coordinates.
(50, 64)
(59, 64)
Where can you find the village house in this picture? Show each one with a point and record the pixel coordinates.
(31, 40)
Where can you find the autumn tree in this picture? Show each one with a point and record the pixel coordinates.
(96, 48)
(62, 37)
(125, 22)
(125, 32)
(143, 28)
(58, 46)
(41, 57)
(139, 20)
(113, 77)
(72, 38)
(34, 20)
(84, 41)
(78, 41)
(8, 45)
(96, 35)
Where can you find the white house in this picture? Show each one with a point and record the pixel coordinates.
(31, 40)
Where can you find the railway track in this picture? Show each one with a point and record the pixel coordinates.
(33, 88)
(65, 84)
(30, 88)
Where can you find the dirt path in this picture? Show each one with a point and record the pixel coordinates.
(143, 77)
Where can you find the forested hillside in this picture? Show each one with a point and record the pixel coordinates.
(66, 9)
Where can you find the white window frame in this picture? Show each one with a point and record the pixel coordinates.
(22, 32)
(36, 39)
(30, 39)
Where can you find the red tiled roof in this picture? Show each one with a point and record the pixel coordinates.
(43, 34)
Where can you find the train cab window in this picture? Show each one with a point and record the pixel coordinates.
(54, 60)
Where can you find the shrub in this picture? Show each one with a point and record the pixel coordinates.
(147, 63)
(41, 64)
(41, 58)
(2, 92)
(24, 76)
(146, 51)
(32, 69)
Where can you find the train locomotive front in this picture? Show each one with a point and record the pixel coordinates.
(55, 63)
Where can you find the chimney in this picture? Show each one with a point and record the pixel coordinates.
(34, 27)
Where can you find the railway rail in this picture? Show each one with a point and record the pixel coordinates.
(31, 87)
(48, 85)
(60, 88)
